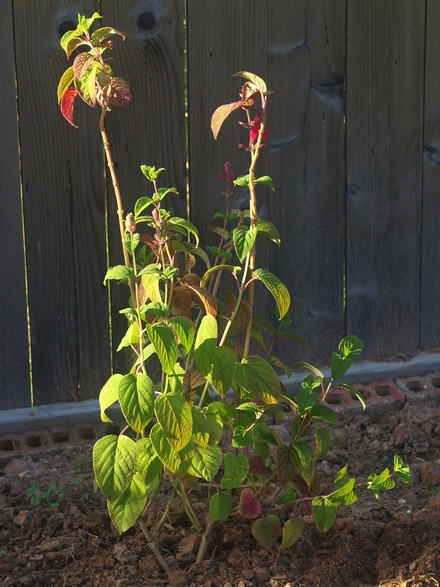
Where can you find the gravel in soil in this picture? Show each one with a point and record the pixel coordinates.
(55, 530)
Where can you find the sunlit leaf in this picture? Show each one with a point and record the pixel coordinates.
(114, 464)
(126, 509)
(221, 114)
(276, 288)
(174, 415)
(109, 395)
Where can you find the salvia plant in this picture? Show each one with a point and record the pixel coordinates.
(199, 422)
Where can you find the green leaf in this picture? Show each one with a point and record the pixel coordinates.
(149, 465)
(210, 272)
(242, 181)
(269, 230)
(345, 495)
(205, 462)
(220, 506)
(382, 482)
(306, 400)
(222, 409)
(236, 470)
(340, 365)
(351, 346)
(86, 86)
(341, 478)
(174, 461)
(131, 337)
(206, 344)
(151, 173)
(255, 79)
(174, 416)
(175, 380)
(266, 180)
(244, 240)
(184, 329)
(109, 395)
(323, 413)
(141, 205)
(187, 225)
(276, 288)
(257, 377)
(136, 397)
(126, 509)
(354, 391)
(203, 426)
(304, 452)
(243, 437)
(292, 531)
(324, 512)
(119, 272)
(114, 464)
(322, 442)
(162, 337)
(64, 83)
(266, 530)
(315, 370)
(401, 470)
(223, 370)
(85, 23)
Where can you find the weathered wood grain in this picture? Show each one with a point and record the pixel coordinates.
(14, 363)
(64, 214)
(307, 70)
(384, 174)
(430, 274)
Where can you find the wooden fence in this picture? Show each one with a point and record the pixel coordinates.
(353, 150)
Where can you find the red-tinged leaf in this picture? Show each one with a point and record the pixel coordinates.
(73, 44)
(204, 298)
(103, 33)
(302, 485)
(81, 63)
(249, 505)
(120, 93)
(181, 301)
(221, 114)
(67, 104)
(257, 466)
(192, 380)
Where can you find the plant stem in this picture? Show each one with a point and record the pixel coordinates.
(152, 544)
(253, 213)
(118, 196)
(204, 543)
(188, 508)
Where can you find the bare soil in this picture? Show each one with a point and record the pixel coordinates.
(394, 542)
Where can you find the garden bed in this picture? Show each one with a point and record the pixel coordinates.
(55, 530)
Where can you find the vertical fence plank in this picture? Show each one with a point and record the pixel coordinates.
(430, 276)
(384, 145)
(151, 130)
(307, 70)
(64, 210)
(224, 37)
(14, 363)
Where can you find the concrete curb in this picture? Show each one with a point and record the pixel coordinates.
(25, 420)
